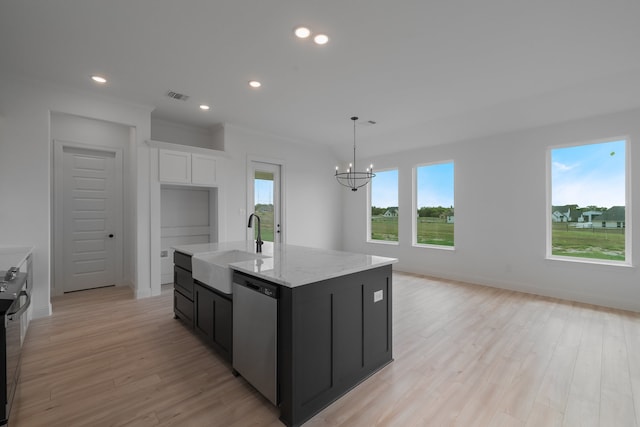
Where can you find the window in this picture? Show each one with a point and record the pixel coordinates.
(383, 212)
(589, 202)
(434, 212)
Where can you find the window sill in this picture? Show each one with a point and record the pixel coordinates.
(384, 242)
(441, 247)
(591, 261)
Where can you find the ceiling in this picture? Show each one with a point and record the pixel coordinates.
(428, 72)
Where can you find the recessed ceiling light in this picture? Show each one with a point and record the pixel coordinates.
(321, 39)
(204, 107)
(302, 32)
(254, 84)
(98, 79)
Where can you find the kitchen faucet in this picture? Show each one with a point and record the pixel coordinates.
(259, 241)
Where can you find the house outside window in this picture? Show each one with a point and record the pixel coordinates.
(434, 214)
(589, 202)
(383, 207)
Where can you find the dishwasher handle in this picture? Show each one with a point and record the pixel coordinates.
(250, 285)
(262, 287)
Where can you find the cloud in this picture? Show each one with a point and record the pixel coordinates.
(561, 167)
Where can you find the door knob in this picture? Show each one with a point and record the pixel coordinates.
(111, 236)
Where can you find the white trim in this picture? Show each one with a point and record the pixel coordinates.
(628, 261)
(368, 238)
(414, 204)
(58, 154)
(250, 192)
(186, 148)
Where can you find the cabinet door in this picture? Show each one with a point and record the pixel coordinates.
(213, 318)
(223, 318)
(183, 308)
(205, 308)
(203, 169)
(183, 281)
(175, 166)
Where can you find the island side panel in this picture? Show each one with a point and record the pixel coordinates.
(333, 335)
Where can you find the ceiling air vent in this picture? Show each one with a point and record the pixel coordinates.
(178, 96)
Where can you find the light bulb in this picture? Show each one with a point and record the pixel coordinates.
(321, 39)
(302, 32)
(99, 79)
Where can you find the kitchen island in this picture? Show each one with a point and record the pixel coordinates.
(333, 318)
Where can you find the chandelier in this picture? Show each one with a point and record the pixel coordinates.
(352, 178)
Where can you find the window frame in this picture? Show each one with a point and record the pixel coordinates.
(628, 261)
(414, 203)
(368, 238)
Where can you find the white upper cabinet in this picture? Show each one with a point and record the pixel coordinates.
(203, 169)
(182, 167)
(175, 166)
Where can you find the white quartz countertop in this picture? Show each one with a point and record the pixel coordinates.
(13, 256)
(291, 265)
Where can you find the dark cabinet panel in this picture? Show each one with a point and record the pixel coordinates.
(314, 350)
(213, 318)
(377, 321)
(223, 324)
(183, 308)
(205, 307)
(182, 260)
(333, 334)
(348, 336)
(183, 288)
(183, 281)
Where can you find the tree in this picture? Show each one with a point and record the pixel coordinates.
(375, 211)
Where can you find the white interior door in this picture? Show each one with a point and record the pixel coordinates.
(91, 196)
(265, 200)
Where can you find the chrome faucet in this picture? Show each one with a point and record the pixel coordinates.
(259, 241)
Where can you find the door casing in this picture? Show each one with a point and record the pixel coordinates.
(253, 164)
(59, 146)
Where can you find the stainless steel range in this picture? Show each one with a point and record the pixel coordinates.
(14, 302)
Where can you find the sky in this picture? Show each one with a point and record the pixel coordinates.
(263, 191)
(587, 175)
(435, 186)
(384, 189)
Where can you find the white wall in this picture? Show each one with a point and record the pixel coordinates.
(176, 133)
(26, 171)
(313, 214)
(501, 214)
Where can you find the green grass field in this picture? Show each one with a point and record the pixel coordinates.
(266, 226)
(431, 231)
(434, 231)
(597, 243)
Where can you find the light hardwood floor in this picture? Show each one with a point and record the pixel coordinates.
(464, 355)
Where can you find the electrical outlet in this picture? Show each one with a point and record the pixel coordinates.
(378, 296)
(164, 254)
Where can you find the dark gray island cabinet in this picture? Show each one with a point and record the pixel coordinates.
(333, 334)
(201, 308)
(302, 325)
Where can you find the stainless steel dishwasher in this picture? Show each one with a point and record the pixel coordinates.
(255, 333)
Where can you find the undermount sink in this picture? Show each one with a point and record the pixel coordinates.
(213, 269)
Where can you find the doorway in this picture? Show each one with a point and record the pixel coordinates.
(265, 199)
(88, 217)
